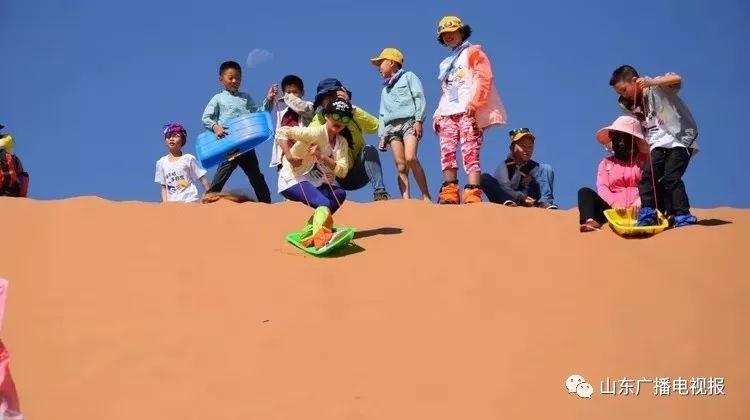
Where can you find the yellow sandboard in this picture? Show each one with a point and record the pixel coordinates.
(623, 222)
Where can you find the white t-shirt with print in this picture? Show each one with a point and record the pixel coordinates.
(179, 176)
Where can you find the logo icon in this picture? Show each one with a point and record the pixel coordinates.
(576, 384)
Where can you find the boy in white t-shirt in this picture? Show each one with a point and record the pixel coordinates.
(177, 172)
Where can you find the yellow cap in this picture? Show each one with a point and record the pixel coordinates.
(389, 54)
(521, 133)
(449, 24)
(7, 143)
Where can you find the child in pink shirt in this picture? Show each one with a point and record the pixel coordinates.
(618, 175)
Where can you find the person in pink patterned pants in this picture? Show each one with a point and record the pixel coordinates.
(469, 105)
(9, 406)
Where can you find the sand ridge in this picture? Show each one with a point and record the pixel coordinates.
(124, 309)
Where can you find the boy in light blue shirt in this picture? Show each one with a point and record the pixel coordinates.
(402, 114)
(231, 103)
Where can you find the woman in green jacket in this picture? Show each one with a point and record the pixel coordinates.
(364, 159)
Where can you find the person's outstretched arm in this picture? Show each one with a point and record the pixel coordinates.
(307, 135)
(299, 105)
(670, 80)
(273, 90)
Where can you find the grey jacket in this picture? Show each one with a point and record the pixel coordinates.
(665, 107)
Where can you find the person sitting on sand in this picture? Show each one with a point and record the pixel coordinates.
(14, 180)
(521, 180)
(618, 175)
(319, 156)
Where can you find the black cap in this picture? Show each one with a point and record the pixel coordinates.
(339, 107)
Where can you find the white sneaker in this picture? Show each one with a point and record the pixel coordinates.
(510, 203)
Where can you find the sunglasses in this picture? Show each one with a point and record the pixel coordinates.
(518, 130)
(338, 117)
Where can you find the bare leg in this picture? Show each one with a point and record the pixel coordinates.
(475, 178)
(397, 148)
(450, 174)
(411, 145)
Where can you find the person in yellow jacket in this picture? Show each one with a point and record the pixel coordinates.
(365, 162)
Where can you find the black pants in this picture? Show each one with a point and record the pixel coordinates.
(249, 163)
(669, 166)
(591, 206)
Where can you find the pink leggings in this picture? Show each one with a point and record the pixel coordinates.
(455, 129)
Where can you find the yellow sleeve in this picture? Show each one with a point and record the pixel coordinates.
(343, 161)
(367, 122)
(307, 135)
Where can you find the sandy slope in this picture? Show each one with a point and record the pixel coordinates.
(132, 310)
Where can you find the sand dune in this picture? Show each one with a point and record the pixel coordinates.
(135, 310)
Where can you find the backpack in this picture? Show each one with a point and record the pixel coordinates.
(10, 171)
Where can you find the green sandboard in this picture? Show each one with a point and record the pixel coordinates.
(341, 237)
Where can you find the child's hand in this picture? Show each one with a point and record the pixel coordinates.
(315, 151)
(219, 130)
(470, 110)
(644, 83)
(381, 145)
(343, 95)
(528, 202)
(273, 92)
(418, 130)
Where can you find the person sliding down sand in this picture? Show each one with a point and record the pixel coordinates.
(318, 156)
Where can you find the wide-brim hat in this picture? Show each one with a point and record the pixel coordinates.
(624, 124)
(327, 86)
(449, 24)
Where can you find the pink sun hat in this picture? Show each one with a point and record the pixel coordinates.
(625, 124)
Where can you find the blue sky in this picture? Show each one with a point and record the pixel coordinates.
(86, 85)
